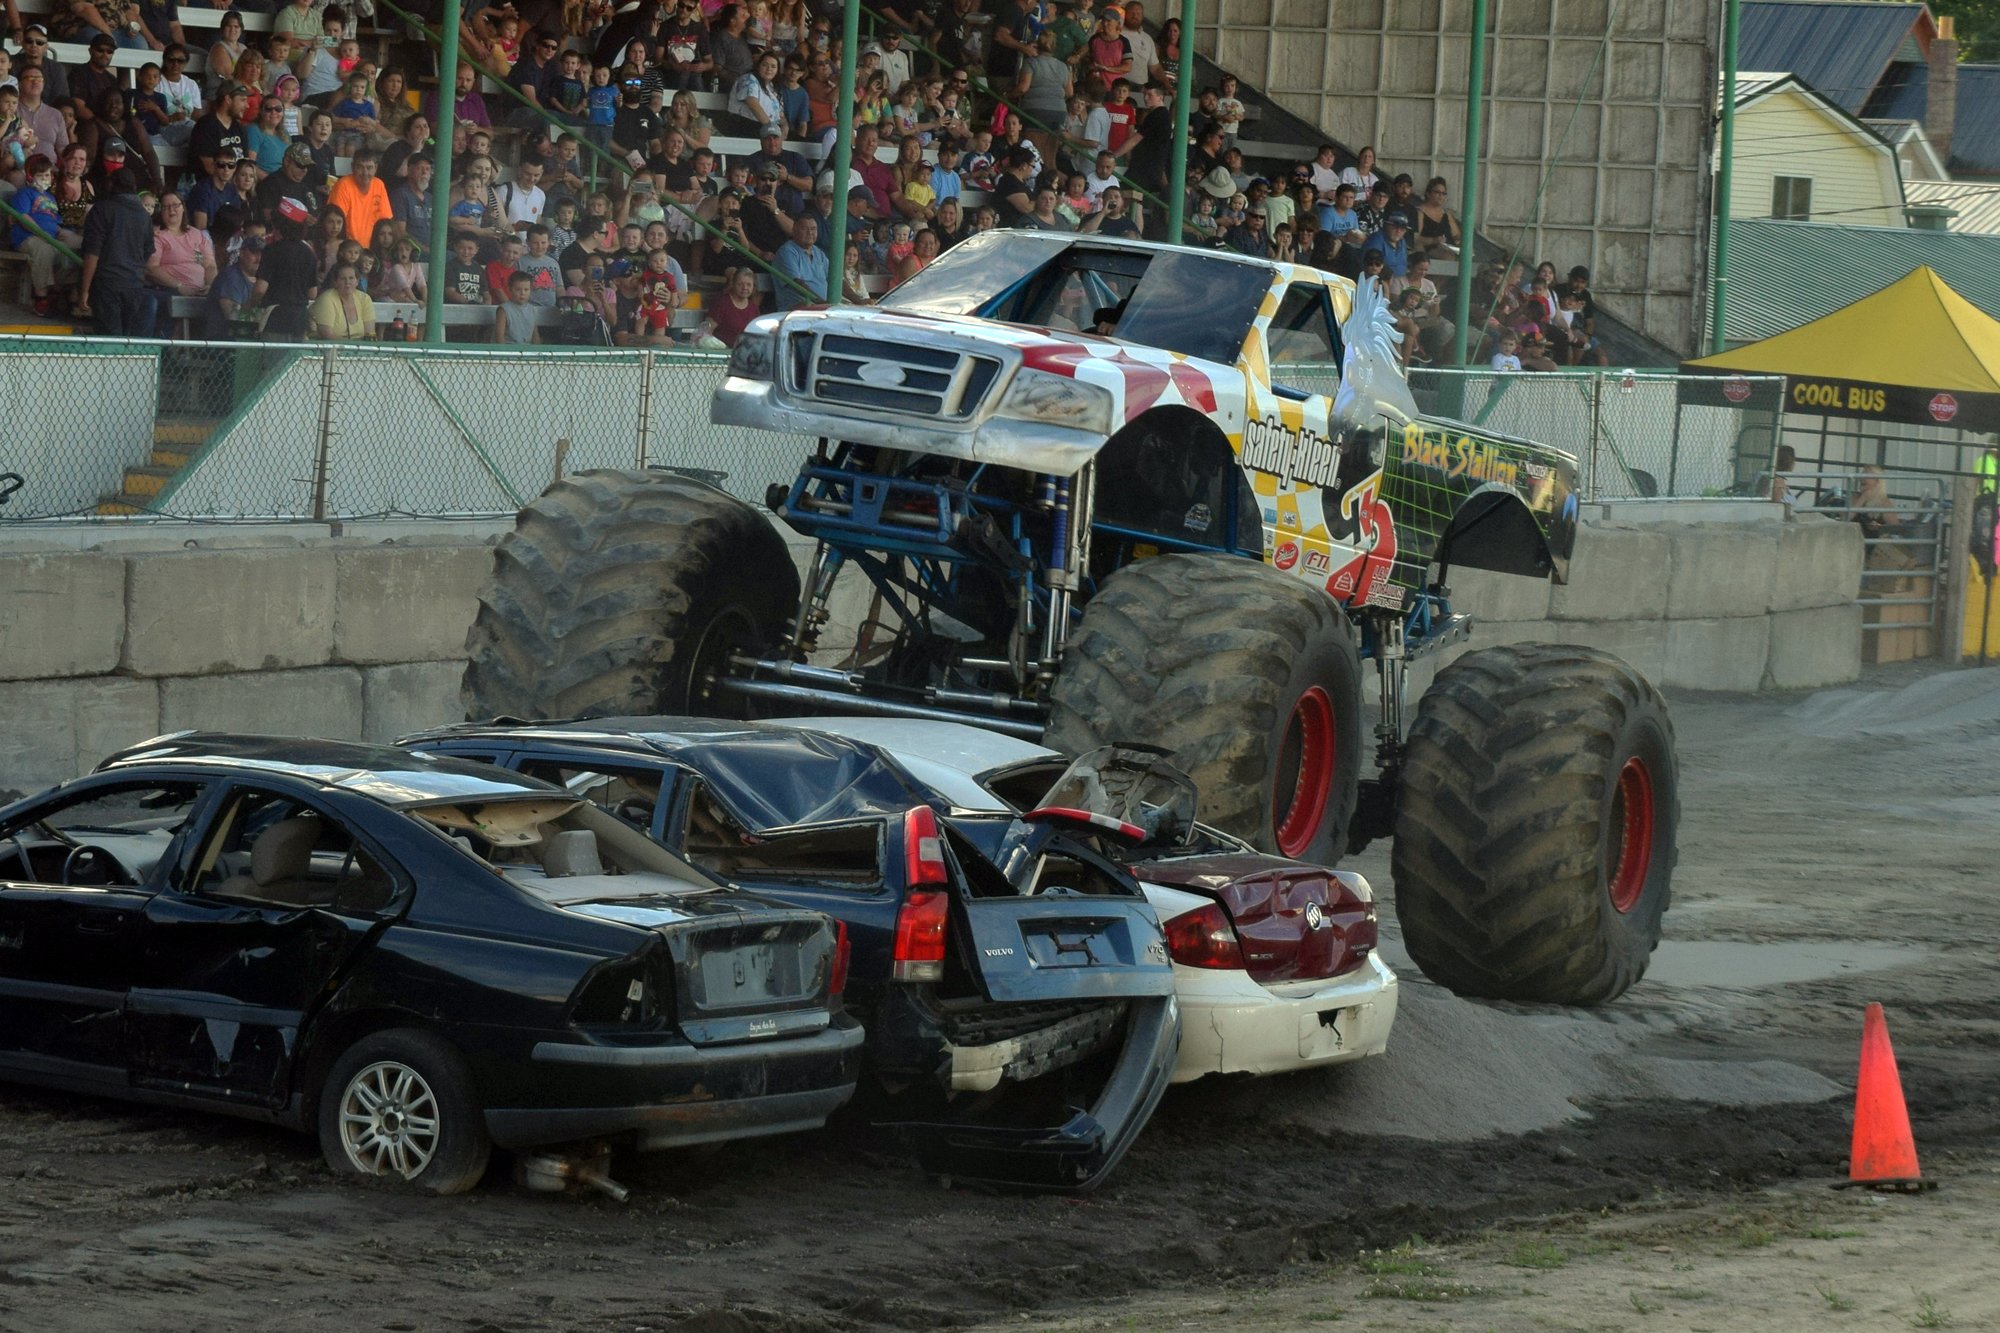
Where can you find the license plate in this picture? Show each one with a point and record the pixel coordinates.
(744, 975)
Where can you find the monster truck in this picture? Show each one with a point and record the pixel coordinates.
(1114, 491)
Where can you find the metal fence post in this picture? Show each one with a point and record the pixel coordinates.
(323, 455)
(1595, 488)
(645, 440)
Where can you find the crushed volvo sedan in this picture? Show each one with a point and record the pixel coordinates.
(1018, 995)
(417, 957)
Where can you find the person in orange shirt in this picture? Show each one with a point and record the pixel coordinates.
(362, 197)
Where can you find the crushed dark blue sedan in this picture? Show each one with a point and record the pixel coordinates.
(419, 957)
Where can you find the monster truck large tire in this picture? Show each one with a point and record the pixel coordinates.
(618, 593)
(1251, 679)
(1535, 825)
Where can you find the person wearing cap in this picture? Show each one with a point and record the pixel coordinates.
(1393, 240)
(794, 173)
(1250, 236)
(1109, 56)
(117, 246)
(227, 314)
(215, 192)
(293, 180)
(222, 128)
(766, 224)
(1218, 185)
(88, 83)
(34, 54)
(1372, 208)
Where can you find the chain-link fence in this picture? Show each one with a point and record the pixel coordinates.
(238, 431)
(251, 431)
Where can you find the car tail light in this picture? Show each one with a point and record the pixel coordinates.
(920, 936)
(836, 984)
(1204, 938)
(923, 850)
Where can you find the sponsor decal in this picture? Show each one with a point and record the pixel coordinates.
(1943, 407)
(1286, 555)
(1288, 519)
(1197, 518)
(1365, 578)
(1853, 398)
(1318, 562)
(1463, 457)
(1296, 456)
(1735, 390)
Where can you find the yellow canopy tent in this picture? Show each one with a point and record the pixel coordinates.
(1915, 352)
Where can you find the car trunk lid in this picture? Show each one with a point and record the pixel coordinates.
(1295, 922)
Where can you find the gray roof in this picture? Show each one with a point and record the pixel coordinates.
(1975, 136)
(1839, 47)
(1977, 205)
(1784, 274)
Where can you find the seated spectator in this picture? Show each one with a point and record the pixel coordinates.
(183, 256)
(542, 269)
(733, 310)
(354, 118)
(802, 261)
(464, 281)
(362, 197)
(502, 270)
(228, 314)
(1585, 317)
(1116, 218)
(1393, 241)
(37, 226)
(923, 250)
(1249, 237)
(343, 313)
(265, 140)
(755, 96)
(1324, 176)
(514, 321)
(1437, 226)
(209, 197)
(1371, 271)
(1507, 356)
(1362, 175)
(402, 279)
(1045, 216)
(1203, 224)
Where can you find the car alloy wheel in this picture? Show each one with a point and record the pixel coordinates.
(389, 1120)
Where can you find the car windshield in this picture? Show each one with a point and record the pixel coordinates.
(1196, 304)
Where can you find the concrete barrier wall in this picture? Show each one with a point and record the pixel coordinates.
(364, 635)
(342, 637)
(1752, 604)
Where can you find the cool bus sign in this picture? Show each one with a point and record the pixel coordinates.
(1893, 403)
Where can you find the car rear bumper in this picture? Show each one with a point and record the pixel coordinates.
(1076, 1156)
(1232, 1025)
(674, 1095)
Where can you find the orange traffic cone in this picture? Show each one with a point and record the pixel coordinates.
(1885, 1154)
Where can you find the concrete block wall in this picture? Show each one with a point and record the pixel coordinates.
(348, 637)
(1763, 604)
(363, 636)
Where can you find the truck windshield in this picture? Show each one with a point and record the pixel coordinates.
(1195, 304)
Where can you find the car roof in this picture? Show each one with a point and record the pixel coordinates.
(861, 765)
(384, 773)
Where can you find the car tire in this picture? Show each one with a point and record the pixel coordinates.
(619, 593)
(1535, 825)
(372, 1114)
(1250, 679)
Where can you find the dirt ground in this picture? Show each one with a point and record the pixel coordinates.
(1661, 1164)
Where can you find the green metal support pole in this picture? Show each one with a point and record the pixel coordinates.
(1177, 168)
(447, 103)
(1731, 10)
(1468, 255)
(843, 150)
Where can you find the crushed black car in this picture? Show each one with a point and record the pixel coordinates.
(417, 957)
(1015, 985)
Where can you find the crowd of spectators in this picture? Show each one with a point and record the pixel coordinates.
(593, 195)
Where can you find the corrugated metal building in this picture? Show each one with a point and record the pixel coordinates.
(1784, 274)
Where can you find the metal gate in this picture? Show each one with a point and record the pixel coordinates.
(1905, 564)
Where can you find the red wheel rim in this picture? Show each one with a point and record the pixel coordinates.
(1632, 816)
(1306, 757)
